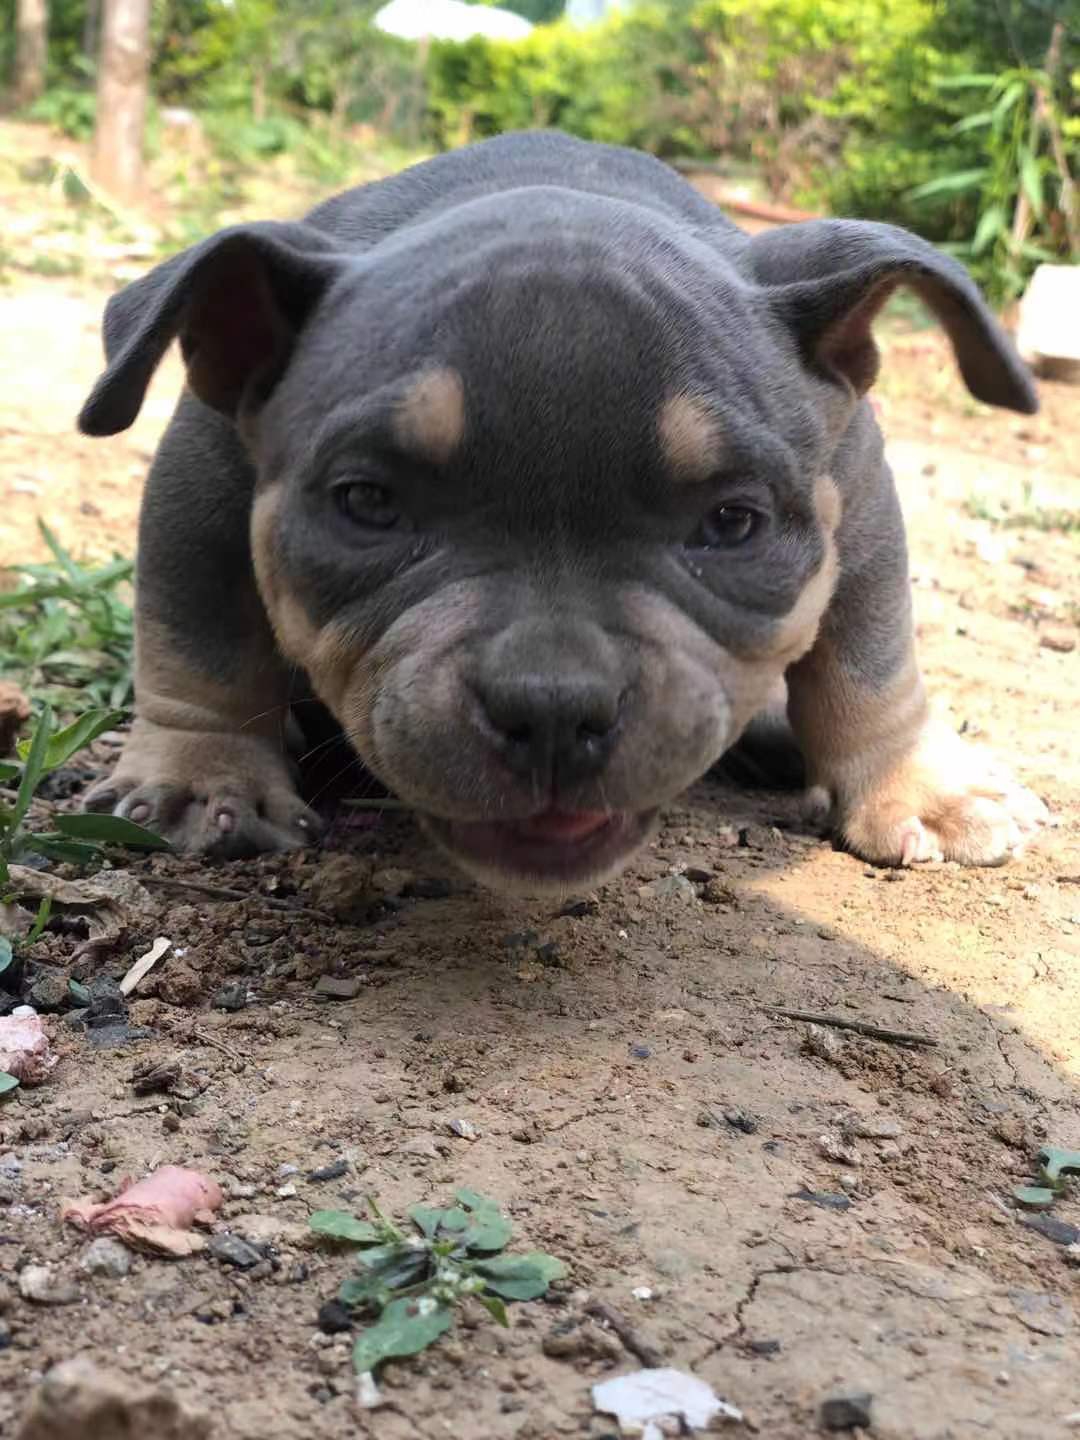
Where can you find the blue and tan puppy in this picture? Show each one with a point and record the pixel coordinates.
(543, 476)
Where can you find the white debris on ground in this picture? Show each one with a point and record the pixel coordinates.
(642, 1401)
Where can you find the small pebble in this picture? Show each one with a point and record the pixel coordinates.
(833, 1148)
(339, 987)
(464, 1129)
(1060, 640)
(333, 1171)
(846, 1412)
(231, 1250)
(333, 1318)
(41, 1285)
(231, 997)
(640, 1052)
(106, 1257)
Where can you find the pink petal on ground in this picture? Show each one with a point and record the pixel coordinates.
(24, 1046)
(154, 1214)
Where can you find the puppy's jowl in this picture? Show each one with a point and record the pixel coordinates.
(544, 475)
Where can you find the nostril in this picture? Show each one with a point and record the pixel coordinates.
(517, 734)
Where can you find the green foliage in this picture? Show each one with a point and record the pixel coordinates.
(66, 632)
(67, 109)
(76, 839)
(1016, 226)
(408, 1284)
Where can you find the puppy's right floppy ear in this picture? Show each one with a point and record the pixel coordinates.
(828, 280)
(237, 302)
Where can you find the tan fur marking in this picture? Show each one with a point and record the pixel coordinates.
(177, 696)
(797, 631)
(430, 421)
(327, 654)
(690, 437)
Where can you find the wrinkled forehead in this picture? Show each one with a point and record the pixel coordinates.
(591, 354)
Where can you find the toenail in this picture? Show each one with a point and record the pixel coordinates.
(139, 813)
(225, 819)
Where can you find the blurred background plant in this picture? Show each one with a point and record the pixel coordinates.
(959, 118)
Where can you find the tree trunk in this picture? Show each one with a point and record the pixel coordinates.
(31, 38)
(90, 30)
(123, 74)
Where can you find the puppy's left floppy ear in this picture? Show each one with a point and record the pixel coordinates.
(830, 278)
(237, 301)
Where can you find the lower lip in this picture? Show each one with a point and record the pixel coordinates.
(563, 848)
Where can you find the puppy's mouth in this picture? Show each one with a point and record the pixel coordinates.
(553, 848)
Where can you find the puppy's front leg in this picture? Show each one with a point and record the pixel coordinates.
(205, 764)
(898, 786)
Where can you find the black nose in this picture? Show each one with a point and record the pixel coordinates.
(558, 729)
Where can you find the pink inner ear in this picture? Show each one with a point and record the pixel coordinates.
(847, 346)
(232, 330)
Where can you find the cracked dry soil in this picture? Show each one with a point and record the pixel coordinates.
(638, 1112)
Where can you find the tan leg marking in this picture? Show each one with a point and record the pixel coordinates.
(899, 786)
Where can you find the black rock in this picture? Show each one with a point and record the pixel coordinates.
(640, 1052)
(826, 1199)
(49, 992)
(742, 1120)
(333, 1171)
(764, 1347)
(1059, 1231)
(333, 1318)
(106, 997)
(231, 1250)
(580, 908)
(845, 1412)
(231, 997)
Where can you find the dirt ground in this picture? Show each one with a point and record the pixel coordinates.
(635, 1107)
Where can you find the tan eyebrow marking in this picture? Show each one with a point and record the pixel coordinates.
(690, 437)
(430, 421)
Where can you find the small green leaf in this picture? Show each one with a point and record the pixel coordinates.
(79, 993)
(1008, 99)
(8, 1083)
(520, 1277)
(405, 1327)
(973, 122)
(991, 224)
(965, 82)
(1033, 1197)
(1054, 1162)
(110, 830)
(34, 766)
(8, 770)
(489, 1228)
(395, 1266)
(56, 847)
(426, 1219)
(955, 184)
(339, 1225)
(495, 1308)
(1031, 181)
(76, 736)
(7, 954)
(41, 919)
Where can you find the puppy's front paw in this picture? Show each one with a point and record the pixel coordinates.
(215, 794)
(945, 801)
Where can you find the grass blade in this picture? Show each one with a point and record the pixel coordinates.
(33, 767)
(109, 830)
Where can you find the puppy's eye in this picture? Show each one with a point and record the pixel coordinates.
(365, 503)
(727, 527)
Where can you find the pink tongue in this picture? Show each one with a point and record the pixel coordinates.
(558, 825)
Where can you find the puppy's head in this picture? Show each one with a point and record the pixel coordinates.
(542, 500)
